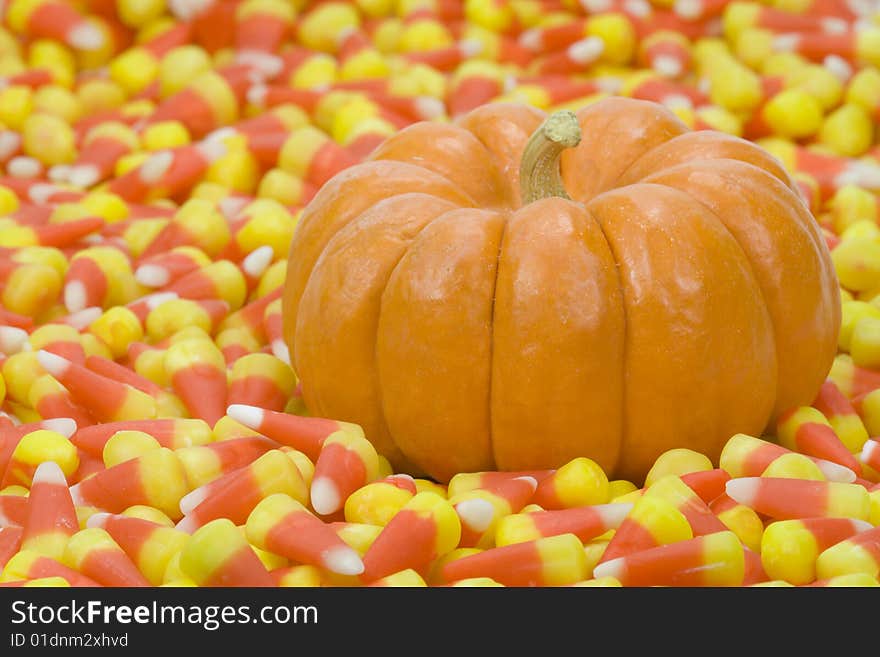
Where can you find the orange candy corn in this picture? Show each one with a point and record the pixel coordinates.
(857, 554)
(169, 432)
(51, 517)
(218, 555)
(871, 453)
(149, 545)
(282, 525)
(10, 543)
(271, 473)
(95, 554)
(426, 528)
(307, 434)
(747, 456)
(586, 523)
(790, 548)
(198, 376)
(785, 499)
(553, 561)
(157, 478)
(346, 462)
(699, 516)
(13, 510)
(27, 564)
(579, 482)
(261, 380)
(713, 560)
(106, 399)
(652, 522)
(807, 431)
(841, 415)
(708, 484)
(204, 463)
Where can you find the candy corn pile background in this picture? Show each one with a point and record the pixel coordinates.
(155, 157)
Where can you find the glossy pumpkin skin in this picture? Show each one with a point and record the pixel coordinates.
(684, 294)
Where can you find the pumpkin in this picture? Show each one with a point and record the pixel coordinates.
(511, 291)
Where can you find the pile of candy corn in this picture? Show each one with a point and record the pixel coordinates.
(154, 160)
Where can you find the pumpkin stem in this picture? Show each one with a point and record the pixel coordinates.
(539, 175)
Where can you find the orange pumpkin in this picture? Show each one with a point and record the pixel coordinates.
(509, 292)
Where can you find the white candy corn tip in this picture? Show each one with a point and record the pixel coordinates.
(677, 101)
(613, 514)
(75, 298)
(861, 7)
(859, 173)
(98, 520)
(596, 6)
(187, 9)
(15, 421)
(66, 426)
(667, 66)
(23, 166)
(835, 472)
(477, 514)
(42, 192)
(49, 472)
(531, 39)
(869, 449)
(192, 499)
(249, 416)
(230, 207)
(83, 318)
(58, 173)
(155, 167)
(258, 260)
(530, 480)
(152, 275)
(281, 351)
(611, 568)
(786, 42)
(343, 560)
(743, 489)
(77, 496)
(429, 108)
(86, 37)
(13, 340)
(188, 525)
(834, 25)
(212, 149)
(325, 496)
(264, 64)
(156, 299)
(839, 67)
(470, 47)
(83, 175)
(690, 9)
(256, 95)
(53, 363)
(9, 143)
(860, 525)
(586, 50)
(221, 133)
(640, 8)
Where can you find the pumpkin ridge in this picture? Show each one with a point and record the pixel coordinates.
(748, 260)
(801, 227)
(622, 438)
(506, 216)
(352, 175)
(403, 210)
(382, 307)
(391, 273)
